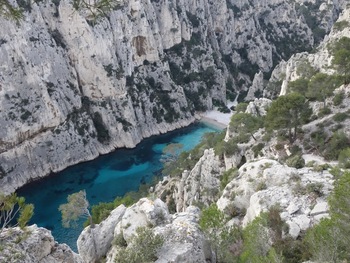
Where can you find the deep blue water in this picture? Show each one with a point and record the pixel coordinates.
(104, 178)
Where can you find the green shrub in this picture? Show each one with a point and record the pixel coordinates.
(338, 99)
(344, 158)
(323, 112)
(341, 25)
(241, 107)
(340, 116)
(315, 188)
(299, 85)
(261, 186)
(227, 176)
(279, 147)
(295, 150)
(231, 147)
(257, 149)
(337, 143)
(143, 247)
(318, 138)
(296, 161)
(120, 241)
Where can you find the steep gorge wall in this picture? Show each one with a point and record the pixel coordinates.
(72, 88)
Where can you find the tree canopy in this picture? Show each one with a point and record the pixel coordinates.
(288, 112)
(226, 241)
(245, 123)
(298, 85)
(322, 86)
(76, 207)
(341, 57)
(143, 247)
(14, 211)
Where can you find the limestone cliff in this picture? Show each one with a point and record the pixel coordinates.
(72, 88)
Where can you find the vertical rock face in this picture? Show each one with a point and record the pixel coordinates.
(183, 240)
(72, 88)
(94, 243)
(305, 64)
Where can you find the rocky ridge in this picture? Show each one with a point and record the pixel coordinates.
(72, 88)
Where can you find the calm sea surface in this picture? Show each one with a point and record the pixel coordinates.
(104, 178)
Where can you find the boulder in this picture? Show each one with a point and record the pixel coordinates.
(144, 213)
(184, 242)
(94, 242)
(34, 245)
(320, 208)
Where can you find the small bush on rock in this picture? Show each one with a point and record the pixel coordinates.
(340, 117)
(337, 143)
(143, 247)
(338, 99)
(324, 111)
(344, 158)
(296, 161)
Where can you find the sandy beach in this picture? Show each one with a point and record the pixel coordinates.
(216, 118)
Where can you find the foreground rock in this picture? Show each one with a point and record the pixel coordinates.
(300, 194)
(34, 245)
(93, 243)
(199, 185)
(184, 242)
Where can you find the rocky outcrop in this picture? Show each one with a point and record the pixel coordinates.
(201, 184)
(142, 214)
(300, 194)
(72, 88)
(198, 186)
(94, 242)
(34, 245)
(183, 241)
(258, 107)
(306, 64)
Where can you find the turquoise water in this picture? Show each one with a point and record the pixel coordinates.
(103, 179)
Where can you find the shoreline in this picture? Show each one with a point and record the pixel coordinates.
(216, 119)
(212, 122)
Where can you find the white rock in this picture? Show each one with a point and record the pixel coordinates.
(294, 229)
(320, 208)
(94, 243)
(32, 245)
(302, 221)
(145, 212)
(293, 208)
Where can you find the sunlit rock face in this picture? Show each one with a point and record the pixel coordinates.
(32, 245)
(72, 88)
(183, 240)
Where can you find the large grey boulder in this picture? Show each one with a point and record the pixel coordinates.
(184, 242)
(94, 242)
(264, 183)
(144, 213)
(34, 245)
